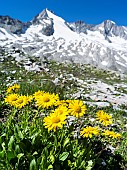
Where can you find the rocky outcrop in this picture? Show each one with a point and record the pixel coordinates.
(45, 22)
(13, 25)
(109, 29)
(80, 26)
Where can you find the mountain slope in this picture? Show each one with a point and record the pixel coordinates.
(51, 37)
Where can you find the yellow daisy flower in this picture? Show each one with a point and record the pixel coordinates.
(11, 99)
(104, 118)
(89, 131)
(22, 101)
(38, 94)
(46, 100)
(77, 108)
(54, 121)
(111, 134)
(61, 110)
(13, 89)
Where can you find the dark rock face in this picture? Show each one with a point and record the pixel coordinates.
(80, 26)
(13, 25)
(110, 29)
(46, 23)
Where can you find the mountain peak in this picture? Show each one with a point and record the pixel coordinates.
(110, 21)
(43, 14)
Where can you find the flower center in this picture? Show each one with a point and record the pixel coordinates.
(46, 99)
(105, 118)
(55, 120)
(77, 109)
(14, 98)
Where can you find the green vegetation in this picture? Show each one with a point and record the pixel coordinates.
(26, 143)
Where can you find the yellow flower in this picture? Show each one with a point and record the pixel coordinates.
(46, 100)
(111, 134)
(13, 89)
(38, 94)
(77, 108)
(104, 118)
(89, 131)
(11, 99)
(22, 101)
(61, 110)
(118, 135)
(54, 121)
(29, 98)
(56, 99)
(62, 102)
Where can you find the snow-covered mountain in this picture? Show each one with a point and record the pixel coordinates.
(48, 36)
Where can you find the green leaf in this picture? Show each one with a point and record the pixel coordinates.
(66, 141)
(2, 153)
(50, 167)
(20, 134)
(33, 165)
(11, 141)
(3, 146)
(4, 134)
(35, 153)
(33, 137)
(82, 164)
(20, 155)
(10, 155)
(45, 151)
(43, 162)
(17, 149)
(63, 156)
(52, 158)
(55, 140)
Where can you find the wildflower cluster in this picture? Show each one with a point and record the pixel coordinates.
(63, 108)
(18, 101)
(60, 110)
(51, 133)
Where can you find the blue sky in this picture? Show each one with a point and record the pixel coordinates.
(90, 11)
